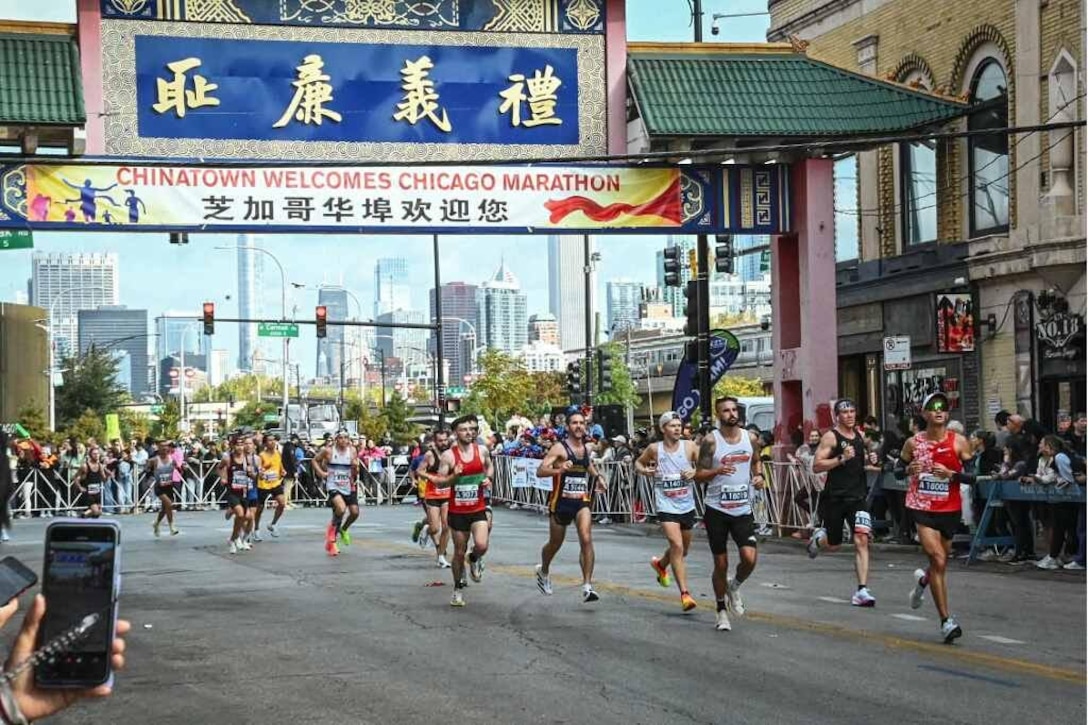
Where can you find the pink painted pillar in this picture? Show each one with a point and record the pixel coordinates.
(803, 299)
(89, 34)
(616, 75)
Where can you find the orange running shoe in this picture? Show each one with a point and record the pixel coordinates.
(687, 602)
(662, 572)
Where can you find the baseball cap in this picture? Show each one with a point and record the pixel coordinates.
(935, 398)
(619, 439)
(667, 417)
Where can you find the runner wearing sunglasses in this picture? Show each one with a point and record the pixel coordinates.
(933, 459)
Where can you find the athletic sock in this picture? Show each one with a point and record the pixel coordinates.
(944, 619)
(721, 605)
(472, 557)
(860, 587)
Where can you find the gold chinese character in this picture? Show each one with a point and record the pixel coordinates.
(541, 98)
(420, 99)
(312, 92)
(174, 96)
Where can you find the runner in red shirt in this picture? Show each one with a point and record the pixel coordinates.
(934, 460)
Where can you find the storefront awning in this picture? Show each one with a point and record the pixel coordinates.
(40, 83)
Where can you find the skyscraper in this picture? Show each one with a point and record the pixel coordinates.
(247, 300)
(544, 328)
(501, 312)
(458, 339)
(624, 297)
(118, 329)
(747, 266)
(567, 288)
(177, 329)
(391, 289)
(331, 347)
(72, 282)
(406, 344)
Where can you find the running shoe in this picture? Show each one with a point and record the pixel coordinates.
(331, 548)
(5, 536)
(424, 540)
(418, 527)
(814, 542)
(662, 573)
(155, 528)
(589, 595)
(543, 581)
(330, 534)
(918, 593)
(256, 537)
(687, 602)
(441, 562)
(345, 537)
(464, 580)
(1071, 566)
(950, 630)
(862, 598)
(1048, 562)
(458, 599)
(228, 513)
(733, 601)
(273, 531)
(233, 546)
(174, 530)
(245, 545)
(721, 621)
(476, 569)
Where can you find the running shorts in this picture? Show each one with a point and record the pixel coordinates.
(464, 522)
(834, 513)
(350, 499)
(722, 527)
(946, 523)
(686, 520)
(263, 494)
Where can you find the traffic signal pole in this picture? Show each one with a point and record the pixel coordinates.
(588, 379)
(702, 303)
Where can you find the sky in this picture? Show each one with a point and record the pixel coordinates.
(158, 276)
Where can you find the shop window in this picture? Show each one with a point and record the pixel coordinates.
(847, 208)
(918, 189)
(988, 155)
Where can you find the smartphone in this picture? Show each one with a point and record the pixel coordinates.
(81, 576)
(15, 578)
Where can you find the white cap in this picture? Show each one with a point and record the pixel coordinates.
(668, 417)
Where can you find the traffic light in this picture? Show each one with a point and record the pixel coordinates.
(179, 237)
(672, 266)
(691, 351)
(209, 318)
(322, 314)
(723, 253)
(691, 308)
(604, 370)
(574, 381)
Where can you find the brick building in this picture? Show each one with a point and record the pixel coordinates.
(987, 232)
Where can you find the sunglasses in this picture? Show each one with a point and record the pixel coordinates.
(937, 406)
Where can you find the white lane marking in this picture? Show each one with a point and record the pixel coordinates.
(909, 617)
(834, 600)
(1000, 640)
(774, 585)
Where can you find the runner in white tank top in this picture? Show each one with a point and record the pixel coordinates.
(672, 465)
(338, 465)
(729, 463)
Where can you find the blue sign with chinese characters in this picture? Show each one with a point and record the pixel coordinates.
(269, 90)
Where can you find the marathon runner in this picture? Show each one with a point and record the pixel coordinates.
(568, 464)
(162, 468)
(236, 472)
(466, 468)
(933, 459)
(729, 461)
(841, 454)
(488, 510)
(671, 463)
(437, 496)
(414, 470)
(92, 475)
(339, 467)
(269, 485)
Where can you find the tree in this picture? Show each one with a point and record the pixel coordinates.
(241, 388)
(738, 386)
(371, 425)
(251, 415)
(548, 392)
(727, 320)
(167, 426)
(32, 417)
(134, 426)
(90, 383)
(395, 414)
(623, 390)
(502, 389)
(88, 425)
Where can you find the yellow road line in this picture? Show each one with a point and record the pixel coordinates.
(891, 641)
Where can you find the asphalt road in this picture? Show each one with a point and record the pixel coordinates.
(285, 634)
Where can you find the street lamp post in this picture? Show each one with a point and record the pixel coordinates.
(52, 351)
(475, 339)
(283, 316)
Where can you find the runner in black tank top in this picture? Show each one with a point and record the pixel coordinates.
(92, 476)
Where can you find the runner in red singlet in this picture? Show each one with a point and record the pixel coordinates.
(933, 459)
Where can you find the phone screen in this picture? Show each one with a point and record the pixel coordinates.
(78, 580)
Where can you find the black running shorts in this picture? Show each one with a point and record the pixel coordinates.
(722, 527)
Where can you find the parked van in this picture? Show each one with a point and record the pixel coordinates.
(759, 411)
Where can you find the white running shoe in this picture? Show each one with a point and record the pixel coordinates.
(918, 593)
(233, 546)
(1048, 562)
(155, 528)
(458, 599)
(862, 598)
(814, 542)
(589, 595)
(174, 530)
(543, 581)
(4, 535)
(721, 622)
(256, 537)
(950, 630)
(245, 545)
(733, 601)
(273, 531)
(441, 562)
(1071, 566)
(476, 569)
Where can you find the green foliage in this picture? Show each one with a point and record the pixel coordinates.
(32, 417)
(242, 389)
(167, 425)
(738, 386)
(395, 415)
(252, 414)
(504, 387)
(133, 425)
(88, 425)
(90, 383)
(725, 321)
(549, 391)
(623, 387)
(372, 425)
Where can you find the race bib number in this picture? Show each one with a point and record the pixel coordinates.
(165, 479)
(239, 481)
(863, 522)
(94, 489)
(270, 475)
(575, 487)
(340, 480)
(438, 492)
(734, 497)
(933, 487)
(673, 486)
(466, 492)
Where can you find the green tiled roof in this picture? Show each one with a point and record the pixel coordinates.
(771, 94)
(40, 80)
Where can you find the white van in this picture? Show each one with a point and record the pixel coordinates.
(759, 411)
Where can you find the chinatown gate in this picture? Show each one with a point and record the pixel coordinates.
(460, 117)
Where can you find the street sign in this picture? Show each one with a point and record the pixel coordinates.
(271, 418)
(277, 329)
(897, 352)
(455, 391)
(16, 239)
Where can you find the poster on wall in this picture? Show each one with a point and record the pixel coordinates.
(955, 323)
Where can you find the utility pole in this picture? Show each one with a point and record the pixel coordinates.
(702, 277)
(588, 381)
(439, 373)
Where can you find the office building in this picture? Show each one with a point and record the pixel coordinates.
(124, 331)
(567, 288)
(459, 341)
(501, 312)
(544, 328)
(248, 304)
(740, 299)
(406, 344)
(331, 348)
(218, 367)
(63, 284)
(748, 267)
(543, 357)
(391, 288)
(623, 298)
(176, 330)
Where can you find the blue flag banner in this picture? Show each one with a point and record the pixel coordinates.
(724, 348)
